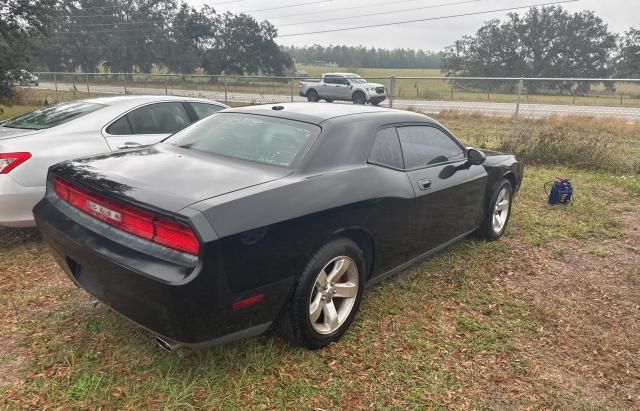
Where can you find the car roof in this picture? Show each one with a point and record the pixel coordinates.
(341, 74)
(319, 112)
(137, 100)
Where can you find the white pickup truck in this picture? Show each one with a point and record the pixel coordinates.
(343, 86)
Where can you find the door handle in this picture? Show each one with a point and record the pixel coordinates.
(129, 144)
(424, 184)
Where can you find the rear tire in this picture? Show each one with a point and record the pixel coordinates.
(497, 213)
(326, 298)
(359, 98)
(328, 100)
(312, 96)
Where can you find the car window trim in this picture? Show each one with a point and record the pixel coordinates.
(191, 102)
(373, 143)
(106, 134)
(446, 133)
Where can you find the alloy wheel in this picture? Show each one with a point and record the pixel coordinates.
(334, 295)
(501, 210)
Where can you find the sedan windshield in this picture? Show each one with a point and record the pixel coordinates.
(257, 138)
(52, 116)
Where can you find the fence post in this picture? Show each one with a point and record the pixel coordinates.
(392, 91)
(125, 84)
(88, 91)
(514, 130)
(55, 81)
(166, 86)
(225, 89)
(291, 81)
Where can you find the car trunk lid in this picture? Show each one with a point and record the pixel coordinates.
(8, 132)
(189, 176)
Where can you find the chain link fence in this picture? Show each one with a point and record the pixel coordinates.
(511, 97)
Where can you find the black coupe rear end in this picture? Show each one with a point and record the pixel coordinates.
(267, 215)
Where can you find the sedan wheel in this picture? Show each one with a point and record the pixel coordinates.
(326, 298)
(333, 295)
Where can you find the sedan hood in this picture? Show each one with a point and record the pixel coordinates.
(166, 177)
(8, 132)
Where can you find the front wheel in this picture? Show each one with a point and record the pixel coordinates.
(496, 215)
(376, 101)
(359, 98)
(328, 100)
(312, 96)
(327, 297)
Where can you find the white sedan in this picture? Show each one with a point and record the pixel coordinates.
(29, 144)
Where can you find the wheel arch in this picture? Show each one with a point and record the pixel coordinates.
(511, 178)
(364, 240)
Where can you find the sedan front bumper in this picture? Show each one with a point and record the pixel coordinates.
(17, 201)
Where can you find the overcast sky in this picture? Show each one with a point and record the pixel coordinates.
(429, 35)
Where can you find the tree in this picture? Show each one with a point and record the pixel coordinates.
(544, 42)
(21, 23)
(240, 45)
(629, 57)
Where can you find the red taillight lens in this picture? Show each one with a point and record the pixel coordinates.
(176, 236)
(131, 219)
(9, 161)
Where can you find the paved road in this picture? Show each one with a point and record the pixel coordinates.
(632, 114)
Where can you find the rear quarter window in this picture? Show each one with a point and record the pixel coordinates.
(53, 116)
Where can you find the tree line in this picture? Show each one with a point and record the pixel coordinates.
(134, 35)
(364, 57)
(545, 42)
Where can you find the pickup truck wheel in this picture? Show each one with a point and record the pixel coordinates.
(359, 98)
(327, 296)
(312, 96)
(375, 101)
(328, 100)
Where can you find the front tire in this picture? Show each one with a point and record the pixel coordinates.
(498, 212)
(328, 100)
(312, 96)
(327, 297)
(359, 98)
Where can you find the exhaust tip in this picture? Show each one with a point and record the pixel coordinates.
(166, 345)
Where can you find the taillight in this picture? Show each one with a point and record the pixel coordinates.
(9, 161)
(134, 220)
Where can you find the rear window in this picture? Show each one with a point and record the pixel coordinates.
(53, 116)
(262, 139)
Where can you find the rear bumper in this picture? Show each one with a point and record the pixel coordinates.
(16, 202)
(182, 299)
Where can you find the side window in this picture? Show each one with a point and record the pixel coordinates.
(330, 80)
(424, 145)
(386, 149)
(204, 110)
(120, 128)
(159, 118)
(343, 81)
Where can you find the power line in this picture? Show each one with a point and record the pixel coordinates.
(386, 3)
(395, 23)
(287, 6)
(433, 6)
(347, 28)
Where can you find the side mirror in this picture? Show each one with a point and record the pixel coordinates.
(475, 157)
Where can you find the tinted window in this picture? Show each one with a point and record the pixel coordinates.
(160, 118)
(424, 145)
(386, 149)
(120, 128)
(257, 138)
(53, 116)
(204, 110)
(330, 80)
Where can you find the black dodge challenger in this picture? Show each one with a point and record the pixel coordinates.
(269, 215)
